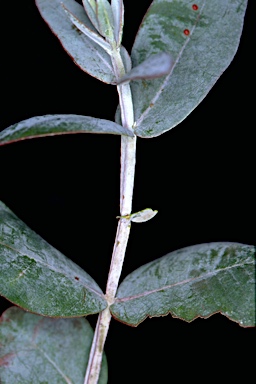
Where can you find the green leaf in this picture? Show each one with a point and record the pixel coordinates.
(90, 8)
(37, 349)
(51, 125)
(88, 32)
(118, 16)
(195, 281)
(154, 66)
(40, 279)
(202, 38)
(105, 19)
(87, 54)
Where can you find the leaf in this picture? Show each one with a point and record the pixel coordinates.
(202, 39)
(37, 349)
(90, 8)
(51, 125)
(105, 19)
(88, 32)
(195, 281)
(87, 54)
(154, 66)
(143, 216)
(40, 279)
(118, 16)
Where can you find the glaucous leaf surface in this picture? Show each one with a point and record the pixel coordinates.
(202, 37)
(37, 277)
(36, 349)
(154, 66)
(51, 125)
(195, 281)
(87, 54)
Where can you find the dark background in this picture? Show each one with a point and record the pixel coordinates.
(199, 176)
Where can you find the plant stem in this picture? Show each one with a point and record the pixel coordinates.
(128, 159)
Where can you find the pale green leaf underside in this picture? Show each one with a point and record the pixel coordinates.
(36, 349)
(39, 278)
(90, 57)
(195, 281)
(202, 42)
(51, 125)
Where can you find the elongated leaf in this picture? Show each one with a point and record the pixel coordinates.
(51, 125)
(40, 279)
(88, 32)
(154, 66)
(90, 8)
(37, 349)
(88, 55)
(118, 15)
(196, 281)
(105, 19)
(202, 38)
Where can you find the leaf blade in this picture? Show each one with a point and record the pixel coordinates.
(88, 55)
(50, 125)
(35, 347)
(192, 282)
(39, 278)
(202, 42)
(154, 66)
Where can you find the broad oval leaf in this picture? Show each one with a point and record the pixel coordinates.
(38, 349)
(202, 38)
(51, 125)
(192, 282)
(87, 54)
(39, 278)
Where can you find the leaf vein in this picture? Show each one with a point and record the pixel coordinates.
(207, 275)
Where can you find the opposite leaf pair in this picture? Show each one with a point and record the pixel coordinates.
(194, 281)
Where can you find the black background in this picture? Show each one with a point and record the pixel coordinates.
(199, 176)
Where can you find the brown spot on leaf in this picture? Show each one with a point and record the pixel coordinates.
(6, 360)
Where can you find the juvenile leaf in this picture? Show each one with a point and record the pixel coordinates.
(90, 8)
(154, 66)
(88, 32)
(51, 125)
(87, 54)
(142, 216)
(40, 279)
(192, 282)
(202, 38)
(126, 59)
(118, 16)
(36, 349)
(105, 19)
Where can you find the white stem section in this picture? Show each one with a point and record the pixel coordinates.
(128, 159)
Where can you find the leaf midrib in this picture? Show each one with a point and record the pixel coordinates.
(209, 274)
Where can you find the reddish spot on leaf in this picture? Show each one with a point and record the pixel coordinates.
(186, 32)
(195, 7)
(77, 278)
(6, 360)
